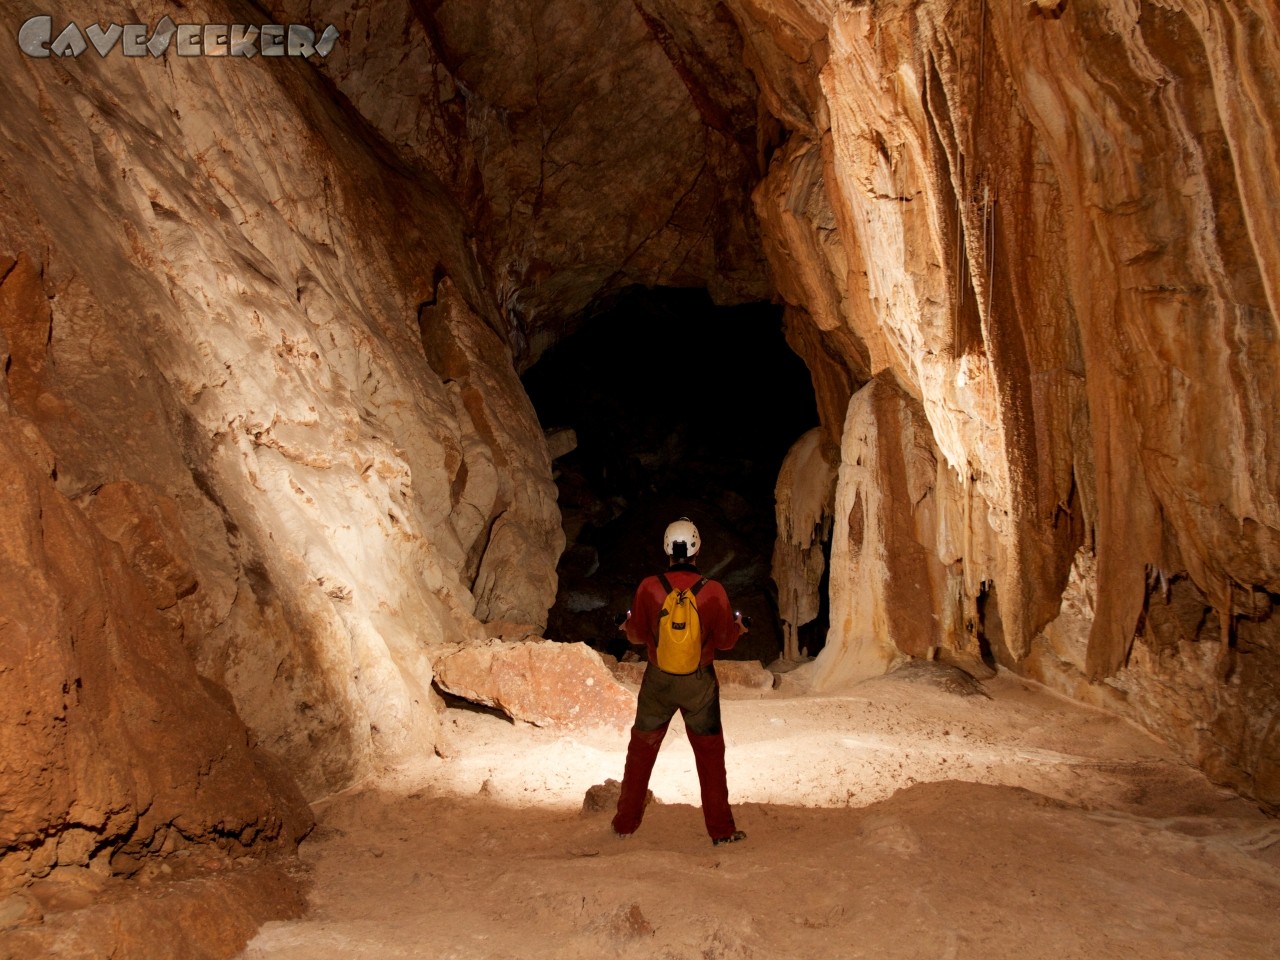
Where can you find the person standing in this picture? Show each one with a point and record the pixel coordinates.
(691, 604)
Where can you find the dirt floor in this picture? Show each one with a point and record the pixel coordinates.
(898, 820)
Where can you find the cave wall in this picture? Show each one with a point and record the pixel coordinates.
(592, 144)
(266, 450)
(1055, 224)
(114, 748)
(262, 322)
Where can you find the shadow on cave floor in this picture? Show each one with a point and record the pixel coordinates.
(680, 408)
(892, 821)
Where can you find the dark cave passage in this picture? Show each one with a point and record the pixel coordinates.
(681, 408)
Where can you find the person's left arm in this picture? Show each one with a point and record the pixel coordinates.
(721, 625)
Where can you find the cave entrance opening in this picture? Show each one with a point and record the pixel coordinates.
(680, 408)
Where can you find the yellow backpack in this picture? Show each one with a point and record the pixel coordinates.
(679, 628)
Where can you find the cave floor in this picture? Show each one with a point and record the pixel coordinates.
(896, 820)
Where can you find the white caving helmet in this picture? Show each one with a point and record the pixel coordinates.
(682, 531)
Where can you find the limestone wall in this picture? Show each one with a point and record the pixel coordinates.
(1055, 224)
(259, 357)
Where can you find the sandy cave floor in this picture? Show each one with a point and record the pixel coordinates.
(894, 821)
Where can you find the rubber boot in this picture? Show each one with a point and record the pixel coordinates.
(642, 751)
(708, 754)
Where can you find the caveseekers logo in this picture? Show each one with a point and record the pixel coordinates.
(37, 39)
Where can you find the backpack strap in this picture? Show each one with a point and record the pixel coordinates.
(662, 611)
(693, 591)
(666, 584)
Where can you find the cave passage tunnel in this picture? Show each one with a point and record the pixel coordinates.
(680, 408)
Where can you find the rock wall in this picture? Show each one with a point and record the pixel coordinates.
(257, 352)
(263, 319)
(1055, 224)
(593, 144)
(114, 749)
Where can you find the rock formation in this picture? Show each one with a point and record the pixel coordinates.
(548, 684)
(114, 747)
(1056, 228)
(267, 450)
(803, 496)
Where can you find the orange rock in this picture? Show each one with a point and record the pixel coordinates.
(542, 682)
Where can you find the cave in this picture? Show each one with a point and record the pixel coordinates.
(676, 408)
(335, 433)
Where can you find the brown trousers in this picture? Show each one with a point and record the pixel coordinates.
(697, 697)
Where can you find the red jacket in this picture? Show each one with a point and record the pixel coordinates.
(719, 629)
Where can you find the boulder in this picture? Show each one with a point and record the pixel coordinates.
(746, 674)
(628, 671)
(542, 682)
(603, 797)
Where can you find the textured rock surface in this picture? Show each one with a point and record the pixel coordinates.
(743, 674)
(261, 323)
(230, 343)
(114, 748)
(1057, 228)
(892, 585)
(542, 682)
(803, 499)
(593, 144)
(208, 918)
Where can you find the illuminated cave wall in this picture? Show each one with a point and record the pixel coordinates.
(1047, 232)
(262, 322)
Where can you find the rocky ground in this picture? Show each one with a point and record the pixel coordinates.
(897, 819)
